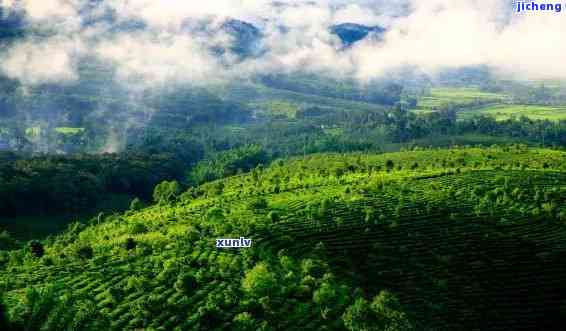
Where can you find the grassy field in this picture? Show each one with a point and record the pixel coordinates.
(253, 95)
(68, 130)
(453, 233)
(276, 108)
(466, 96)
(504, 112)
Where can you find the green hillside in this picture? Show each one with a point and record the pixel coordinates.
(446, 239)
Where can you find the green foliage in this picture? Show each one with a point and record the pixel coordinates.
(85, 252)
(389, 165)
(138, 228)
(136, 204)
(7, 242)
(166, 192)
(228, 163)
(34, 307)
(245, 322)
(4, 324)
(382, 314)
(274, 216)
(325, 295)
(186, 283)
(259, 281)
(215, 214)
(257, 204)
(154, 265)
(63, 184)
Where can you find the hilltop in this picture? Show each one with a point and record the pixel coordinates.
(463, 238)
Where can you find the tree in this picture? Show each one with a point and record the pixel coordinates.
(359, 317)
(136, 204)
(130, 243)
(382, 314)
(166, 192)
(259, 281)
(36, 248)
(186, 283)
(389, 165)
(274, 216)
(325, 295)
(389, 312)
(245, 322)
(85, 252)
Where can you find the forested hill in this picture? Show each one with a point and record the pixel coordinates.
(448, 239)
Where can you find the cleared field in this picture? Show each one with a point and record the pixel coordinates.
(504, 112)
(69, 131)
(276, 107)
(465, 96)
(256, 94)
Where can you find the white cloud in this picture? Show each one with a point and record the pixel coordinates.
(157, 59)
(52, 60)
(435, 34)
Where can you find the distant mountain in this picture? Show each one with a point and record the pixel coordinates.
(351, 33)
(11, 24)
(246, 36)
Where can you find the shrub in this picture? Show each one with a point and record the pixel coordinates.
(313, 268)
(130, 243)
(325, 295)
(389, 165)
(138, 228)
(244, 322)
(136, 204)
(193, 234)
(186, 283)
(215, 214)
(383, 313)
(85, 252)
(36, 248)
(259, 281)
(274, 216)
(256, 204)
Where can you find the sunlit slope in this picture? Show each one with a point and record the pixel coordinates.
(465, 238)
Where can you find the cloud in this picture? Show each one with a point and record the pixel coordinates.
(157, 59)
(429, 34)
(52, 60)
(441, 34)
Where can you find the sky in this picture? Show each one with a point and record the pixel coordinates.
(431, 35)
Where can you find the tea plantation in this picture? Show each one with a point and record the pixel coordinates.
(438, 239)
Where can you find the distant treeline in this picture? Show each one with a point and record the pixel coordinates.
(60, 184)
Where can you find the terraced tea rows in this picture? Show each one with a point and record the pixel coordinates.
(467, 247)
